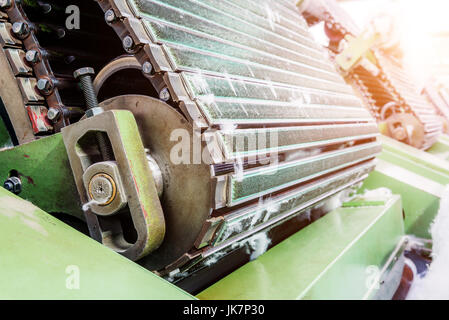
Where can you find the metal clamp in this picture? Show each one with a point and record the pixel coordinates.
(123, 182)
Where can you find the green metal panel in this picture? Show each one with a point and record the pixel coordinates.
(326, 260)
(44, 168)
(441, 148)
(415, 155)
(41, 257)
(417, 176)
(420, 207)
(415, 167)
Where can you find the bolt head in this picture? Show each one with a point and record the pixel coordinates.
(109, 16)
(53, 114)
(87, 71)
(32, 56)
(128, 43)
(44, 85)
(164, 95)
(147, 68)
(13, 184)
(20, 29)
(5, 4)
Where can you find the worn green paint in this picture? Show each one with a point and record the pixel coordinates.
(44, 168)
(39, 253)
(326, 260)
(441, 148)
(146, 187)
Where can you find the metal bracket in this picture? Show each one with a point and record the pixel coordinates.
(143, 203)
(357, 49)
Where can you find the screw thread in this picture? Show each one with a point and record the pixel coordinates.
(89, 92)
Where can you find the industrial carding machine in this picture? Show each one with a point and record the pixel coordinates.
(222, 130)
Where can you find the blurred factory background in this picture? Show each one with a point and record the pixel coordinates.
(423, 30)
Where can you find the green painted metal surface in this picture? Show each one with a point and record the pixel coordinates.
(415, 155)
(328, 259)
(420, 207)
(44, 169)
(43, 258)
(417, 176)
(441, 148)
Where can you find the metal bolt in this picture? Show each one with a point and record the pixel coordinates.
(109, 16)
(83, 72)
(32, 56)
(147, 68)
(5, 4)
(20, 29)
(45, 86)
(13, 184)
(128, 43)
(102, 188)
(53, 114)
(164, 95)
(84, 75)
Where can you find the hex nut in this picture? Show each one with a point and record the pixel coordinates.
(53, 114)
(86, 71)
(110, 16)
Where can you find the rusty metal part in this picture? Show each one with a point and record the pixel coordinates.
(23, 30)
(12, 100)
(119, 64)
(84, 75)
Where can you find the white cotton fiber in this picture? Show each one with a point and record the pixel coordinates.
(435, 285)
